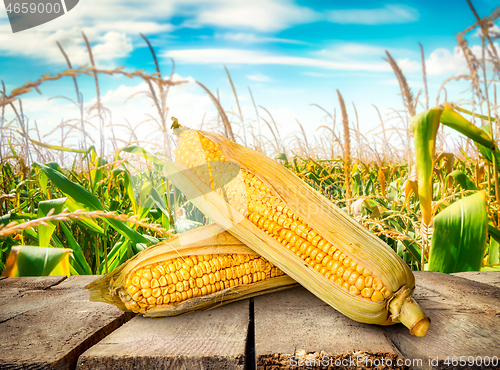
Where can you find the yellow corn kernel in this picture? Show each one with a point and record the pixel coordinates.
(145, 283)
(377, 296)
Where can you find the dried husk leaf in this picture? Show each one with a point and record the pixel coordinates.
(323, 216)
(211, 239)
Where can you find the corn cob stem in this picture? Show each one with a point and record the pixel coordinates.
(410, 314)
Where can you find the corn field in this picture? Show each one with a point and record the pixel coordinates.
(86, 211)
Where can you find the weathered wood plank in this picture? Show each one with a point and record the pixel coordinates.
(21, 294)
(485, 277)
(213, 339)
(464, 292)
(3, 277)
(75, 282)
(465, 321)
(52, 333)
(294, 325)
(31, 282)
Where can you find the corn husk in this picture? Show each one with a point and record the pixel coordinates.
(211, 239)
(324, 217)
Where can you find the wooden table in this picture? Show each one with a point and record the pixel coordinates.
(48, 323)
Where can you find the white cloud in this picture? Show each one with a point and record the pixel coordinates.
(105, 47)
(359, 49)
(106, 24)
(261, 15)
(389, 14)
(314, 74)
(135, 27)
(409, 66)
(251, 38)
(442, 61)
(109, 25)
(351, 51)
(188, 102)
(130, 15)
(415, 85)
(113, 45)
(240, 56)
(259, 78)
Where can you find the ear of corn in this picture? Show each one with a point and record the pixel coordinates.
(290, 224)
(196, 270)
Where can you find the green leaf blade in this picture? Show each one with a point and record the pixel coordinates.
(459, 237)
(44, 207)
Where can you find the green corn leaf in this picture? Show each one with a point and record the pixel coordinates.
(494, 232)
(77, 250)
(456, 121)
(283, 157)
(82, 196)
(54, 147)
(121, 258)
(490, 268)
(462, 179)
(460, 236)
(75, 191)
(356, 183)
(130, 191)
(159, 203)
(145, 203)
(74, 266)
(118, 250)
(96, 175)
(138, 247)
(425, 126)
(53, 165)
(493, 257)
(85, 221)
(32, 234)
(463, 110)
(35, 261)
(150, 198)
(127, 231)
(45, 232)
(43, 181)
(14, 153)
(136, 149)
(486, 152)
(413, 250)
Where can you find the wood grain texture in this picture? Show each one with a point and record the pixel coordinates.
(21, 294)
(213, 339)
(75, 282)
(295, 325)
(49, 323)
(31, 283)
(465, 320)
(485, 277)
(54, 327)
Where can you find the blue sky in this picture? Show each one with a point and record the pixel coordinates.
(289, 53)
